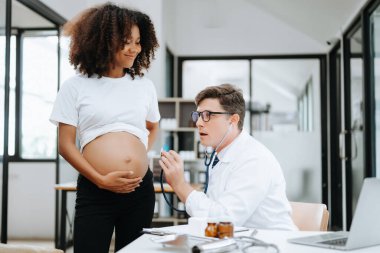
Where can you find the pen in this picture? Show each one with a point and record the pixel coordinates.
(253, 233)
(241, 230)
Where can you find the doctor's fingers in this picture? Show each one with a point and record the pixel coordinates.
(176, 156)
(168, 163)
(167, 171)
(170, 174)
(169, 166)
(163, 165)
(167, 155)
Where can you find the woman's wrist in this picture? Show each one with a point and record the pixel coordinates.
(98, 179)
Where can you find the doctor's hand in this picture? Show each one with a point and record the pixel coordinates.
(172, 165)
(120, 182)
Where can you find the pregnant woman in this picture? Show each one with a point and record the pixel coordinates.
(112, 109)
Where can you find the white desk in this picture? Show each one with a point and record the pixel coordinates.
(60, 222)
(145, 245)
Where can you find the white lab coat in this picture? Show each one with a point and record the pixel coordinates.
(247, 185)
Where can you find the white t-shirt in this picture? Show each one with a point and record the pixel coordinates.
(96, 106)
(247, 185)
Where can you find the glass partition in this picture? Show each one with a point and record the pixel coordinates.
(2, 73)
(375, 43)
(284, 94)
(333, 185)
(357, 110)
(198, 74)
(2, 86)
(286, 118)
(12, 98)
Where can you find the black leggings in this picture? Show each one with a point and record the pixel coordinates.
(98, 212)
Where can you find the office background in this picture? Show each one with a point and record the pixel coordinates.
(309, 70)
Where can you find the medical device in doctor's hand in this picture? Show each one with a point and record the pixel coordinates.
(209, 156)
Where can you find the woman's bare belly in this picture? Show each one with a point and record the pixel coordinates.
(120, 151)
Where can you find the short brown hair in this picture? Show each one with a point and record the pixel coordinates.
(230, 98)
(98, 33)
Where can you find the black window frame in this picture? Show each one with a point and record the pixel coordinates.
(47, 13)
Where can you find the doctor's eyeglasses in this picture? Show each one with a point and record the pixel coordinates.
(205, 115)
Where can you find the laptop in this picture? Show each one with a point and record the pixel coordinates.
(365, 225)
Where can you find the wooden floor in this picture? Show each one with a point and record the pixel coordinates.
(41, 243)
(47, 243)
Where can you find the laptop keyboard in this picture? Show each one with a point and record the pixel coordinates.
(337, 242)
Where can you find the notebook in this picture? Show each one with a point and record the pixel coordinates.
(365, 227)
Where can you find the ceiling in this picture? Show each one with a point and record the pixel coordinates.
(23, 17)
(322, 20)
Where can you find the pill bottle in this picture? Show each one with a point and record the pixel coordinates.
(225, 228)
(212, 228)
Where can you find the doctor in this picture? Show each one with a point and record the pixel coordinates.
(246, 184)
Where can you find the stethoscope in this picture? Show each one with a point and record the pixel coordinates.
(209, 160)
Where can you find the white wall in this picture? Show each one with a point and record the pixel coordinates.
(31, 200)
(299, 154)
(31, 206)
(203, 28)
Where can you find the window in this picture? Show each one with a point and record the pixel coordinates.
(12, 86)
(2, 73)
(283, 94)
(375, 44)
(279, 97)
(198, 74)
(39, 87)
(305, 108)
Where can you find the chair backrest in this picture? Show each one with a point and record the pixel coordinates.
(310, 216)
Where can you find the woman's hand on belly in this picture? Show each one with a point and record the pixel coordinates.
(120, 182)
(120, 151)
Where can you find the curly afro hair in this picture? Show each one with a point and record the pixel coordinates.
(98, 33)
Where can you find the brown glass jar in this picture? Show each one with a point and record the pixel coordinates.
(211, 229)
(225, 229)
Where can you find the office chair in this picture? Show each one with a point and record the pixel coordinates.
(310, 216)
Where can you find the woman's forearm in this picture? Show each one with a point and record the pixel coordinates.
(153, 129)
(72, 155)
